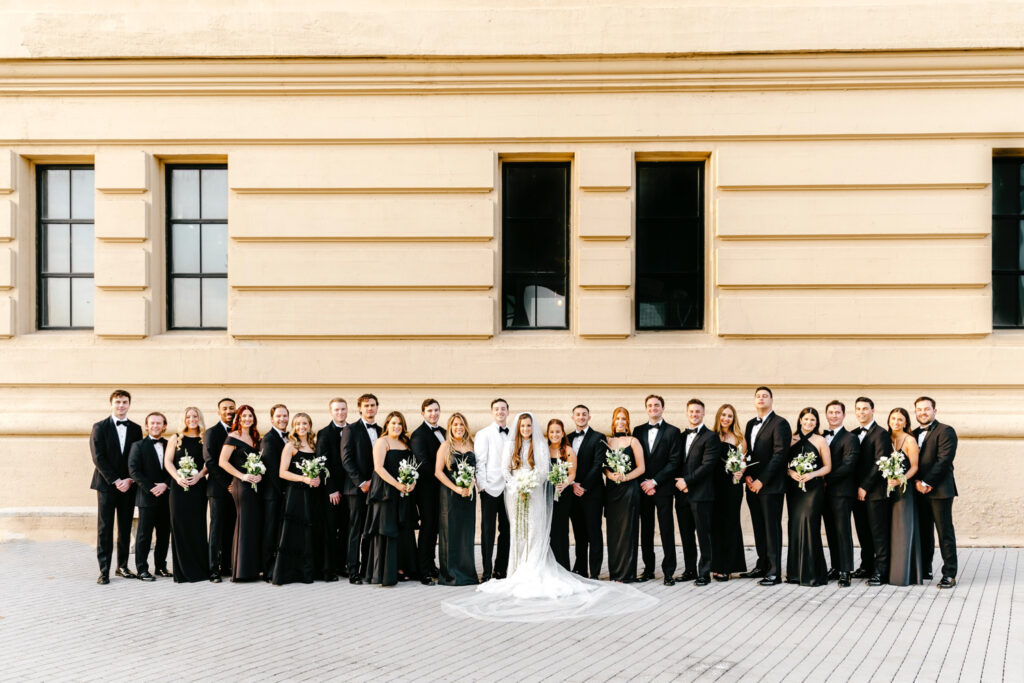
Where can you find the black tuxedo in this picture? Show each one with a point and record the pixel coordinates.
(328, 445)
(587, 511)
(935, 508)
(147, 470)
(272, 489)
(661, 463)
(357, 461)
(694, 506)
(426, 495)
(769, 453)
(222, 505)
(111, 464)
(876, 444)
(840, 493)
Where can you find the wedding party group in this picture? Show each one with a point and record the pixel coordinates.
(376, 504)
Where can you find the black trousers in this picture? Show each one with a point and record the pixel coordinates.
(880, 518)
(426, 497)
(110, 504)
(662, 504)
(337, 537)
(937, 514)
(493, 514)
(222, 534)
(156, 517)
(694, 519)
(273, 509)
(864, 538)
(766, 518)
(839, 531)
(586, 516)
(358, 551)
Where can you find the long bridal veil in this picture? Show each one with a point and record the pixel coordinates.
(538, 588)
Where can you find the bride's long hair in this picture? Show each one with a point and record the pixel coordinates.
(517, 460)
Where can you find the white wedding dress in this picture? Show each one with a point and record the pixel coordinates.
(538, 588)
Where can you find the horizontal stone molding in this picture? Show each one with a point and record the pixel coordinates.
(605, 217)
(607, 169)
(606, 267)
(605, 316)
(120, 315)
(121, 266)
(8, 175)
(121, 220)
(122, 171)
(8, 220)
(7, 268)
(7, 317)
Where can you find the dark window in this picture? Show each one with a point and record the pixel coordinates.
(535, 245)
(670, 245)
(197, 247)
(64, 258)
(1007, 242)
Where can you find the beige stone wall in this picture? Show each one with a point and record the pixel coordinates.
(847, 198)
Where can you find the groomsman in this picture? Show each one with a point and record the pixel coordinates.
(936, 489)
(109, 444)
(424, 442)
(490, 443)
(146, 466)
(328, 445)
(587, 511)
(271, 486)
(874, 444)
(357, 459)
(222, 505)
(768, 436)
(840, 492)
(662, 450)
(702, 452)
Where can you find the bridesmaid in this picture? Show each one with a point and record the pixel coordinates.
(457, 524)
(296, 548)
(189, 547)
(392, 556)
(560, 450)
(622, 502)
(726, 533)
(905, 540)
(247, 550)
(805, 563)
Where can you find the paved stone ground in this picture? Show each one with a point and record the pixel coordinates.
(56, 624)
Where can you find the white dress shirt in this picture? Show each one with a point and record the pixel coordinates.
(159, 448)
(652, 434)
(864, 431)
(437, 433)
(757, 429)
(122, 430)
(577, 440)
(489, 446)
(371, 432)
(923, 435)
(690, 438)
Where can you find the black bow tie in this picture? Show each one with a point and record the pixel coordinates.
(435, 429)
(829, 432)
(503, 430)
(860, 430)
(925, 428)
(689, 431)
(121, 423)
(575, 434)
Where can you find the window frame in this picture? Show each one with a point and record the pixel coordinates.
(169, 223)
(1019, 219)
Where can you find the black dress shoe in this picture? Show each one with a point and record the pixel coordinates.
(833, 574)
(688, 575)
(355, 581)
(721, 577)
(343, 573)
(844, 579)
(792, 581)
(435, 573)
(669, 581)
(103, 580)
(164, 573)
(331, 578)
(862, 574)
(646, 576)
(770, 581)
(214, 578)
(947, 582)
(876, 580)
(499, 575)
(754, 574)
(485, 578)
(702, 581)
(146, 576)
(927, 576)
(402, 578)
(427, 581)
(125, 573)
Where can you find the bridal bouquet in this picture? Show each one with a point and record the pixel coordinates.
(187, 468)
(312, 467)
(465, 475)
(617, 461)
(408, 472)
(803, 464)
(892, 468)
(736, 462)
(253, 465)
(559, 474)
(523, 483)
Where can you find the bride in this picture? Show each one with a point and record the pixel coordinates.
(538, 588)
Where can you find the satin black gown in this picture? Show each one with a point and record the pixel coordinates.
(457, 530)
(805, 563)
(189, 548)
(389, 527)
(905, 535)
(622, 512)
(726, 533)
(560, 513)
(295, 550)
(247, 546)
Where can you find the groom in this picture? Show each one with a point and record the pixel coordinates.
(490, 443)
(936, 489)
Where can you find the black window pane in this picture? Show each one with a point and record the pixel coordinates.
(1007, 242)
(668, 190)
(1006, 300)
(1005, 185)
(1005, 245)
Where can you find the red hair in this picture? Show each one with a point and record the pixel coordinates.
(236, 424)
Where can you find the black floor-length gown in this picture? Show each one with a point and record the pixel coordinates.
(560, 513)
(905, 536)
(389, 527)
(295, 549)
(189, 548)
(457, 533)
(622, 513)
(805, 563)
(247, 548)
(726, 533)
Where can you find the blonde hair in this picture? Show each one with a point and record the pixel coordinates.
(734, 428)
(450, 440)
(184, 427)
(517, 460)
(310, 438)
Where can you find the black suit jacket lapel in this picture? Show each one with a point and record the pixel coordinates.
(927, 437)
(764, 427)
(112, 441)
